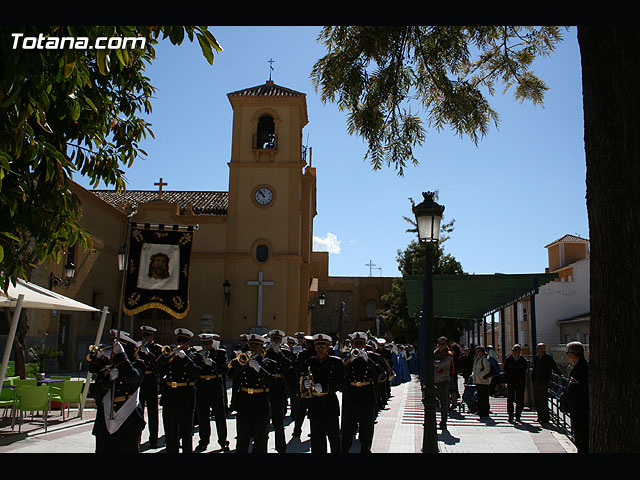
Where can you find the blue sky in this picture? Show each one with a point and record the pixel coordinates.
(519, 189)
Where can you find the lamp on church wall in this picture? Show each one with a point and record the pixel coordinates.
(226, 288)
(322, 300)
(122, 257)
(69, 272)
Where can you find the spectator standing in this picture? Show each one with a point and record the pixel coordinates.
(443, 363)
(465, 364)
(576, 396)
(543, 366)
(515, 370)
(481, 378)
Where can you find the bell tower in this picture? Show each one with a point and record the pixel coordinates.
(271, 209)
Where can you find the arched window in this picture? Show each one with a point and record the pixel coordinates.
(262, 253)
(265, 137)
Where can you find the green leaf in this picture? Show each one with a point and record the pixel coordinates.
(206, 48)
(103, 62)
(69, 62)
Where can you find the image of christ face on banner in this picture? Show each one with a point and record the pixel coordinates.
(159, 267)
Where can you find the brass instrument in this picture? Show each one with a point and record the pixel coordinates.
(168, 350)
(94, 349)
(242, 359)
(352, 354)
(306, 392)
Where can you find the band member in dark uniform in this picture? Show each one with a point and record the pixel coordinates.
(119, 421)
(387, 357)
(148, 352)
(278, 391)
(299, 368)
(254, 374)
(323, 376)
(291, 377)
(178, 373)
(243, 347)
(359, 403)
(210, 392)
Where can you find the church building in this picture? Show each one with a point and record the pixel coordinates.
(252, 268)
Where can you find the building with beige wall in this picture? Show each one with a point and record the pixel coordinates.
(261, 228)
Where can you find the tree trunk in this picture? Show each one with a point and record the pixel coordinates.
(20, 345)
(611, 97)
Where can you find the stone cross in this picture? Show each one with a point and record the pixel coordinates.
(260, 283)
(160, 184)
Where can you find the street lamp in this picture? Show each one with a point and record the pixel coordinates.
(428, 216)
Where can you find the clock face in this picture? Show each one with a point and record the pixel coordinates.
(263, 196)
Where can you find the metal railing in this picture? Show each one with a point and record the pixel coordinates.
(562, 420)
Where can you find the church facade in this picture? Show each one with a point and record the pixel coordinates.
(252, 266)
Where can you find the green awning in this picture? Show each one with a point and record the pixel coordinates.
(473, 296)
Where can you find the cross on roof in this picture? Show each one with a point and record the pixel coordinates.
(270, 61)
(160, 184)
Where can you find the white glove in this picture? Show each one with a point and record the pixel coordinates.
(117, 347)
(144, 349)
(208, 362)
(180, 353)
(318, 387)
(255, 365)
(113, 373)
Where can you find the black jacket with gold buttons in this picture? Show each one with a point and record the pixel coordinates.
(329, 372)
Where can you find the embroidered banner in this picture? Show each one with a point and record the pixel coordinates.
(157, 273)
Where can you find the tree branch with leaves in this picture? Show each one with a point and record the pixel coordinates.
(64, 112)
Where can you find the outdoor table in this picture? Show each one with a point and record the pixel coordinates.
(50, 380)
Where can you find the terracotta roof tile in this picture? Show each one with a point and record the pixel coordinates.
(269, 89)
(202, 202)
(568, 238)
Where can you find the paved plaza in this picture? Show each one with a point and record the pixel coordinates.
(399, 430)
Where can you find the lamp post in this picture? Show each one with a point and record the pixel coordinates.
(428, 216)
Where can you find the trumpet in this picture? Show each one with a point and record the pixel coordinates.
(94, 350)
(351, 355)
(242, 359)
(168, 350)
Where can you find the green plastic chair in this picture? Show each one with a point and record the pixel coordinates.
(34, 399)
(28, 382)
(20, 383)
(8, 401)
(71, 392)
